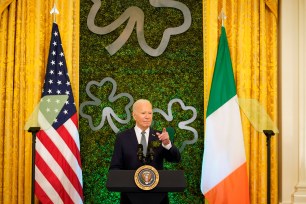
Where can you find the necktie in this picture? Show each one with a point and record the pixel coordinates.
(144, 143)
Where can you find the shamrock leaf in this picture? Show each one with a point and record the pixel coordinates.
(107, 112)
(135, 17)
(182, 124)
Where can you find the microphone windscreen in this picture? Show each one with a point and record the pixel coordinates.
(140, 146)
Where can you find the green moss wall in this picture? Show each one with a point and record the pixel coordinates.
(177, 73)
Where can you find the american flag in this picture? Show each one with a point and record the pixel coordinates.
(58, 173)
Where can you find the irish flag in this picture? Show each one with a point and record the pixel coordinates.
(224, 170)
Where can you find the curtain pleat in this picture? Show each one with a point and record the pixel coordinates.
(4, 4)
(20, 62)
(10, 157)
(25, 31)
(251, 28)
(273, 6)
(3, 62)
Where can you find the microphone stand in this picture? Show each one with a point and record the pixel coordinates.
(151, 154)
(140, 152)
(148, 158)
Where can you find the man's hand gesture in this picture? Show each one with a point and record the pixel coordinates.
(164, 137)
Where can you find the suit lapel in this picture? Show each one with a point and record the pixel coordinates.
(152, 136)
(134, 137)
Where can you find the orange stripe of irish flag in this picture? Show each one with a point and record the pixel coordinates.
(227, 191)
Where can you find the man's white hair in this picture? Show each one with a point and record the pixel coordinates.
(139, 101)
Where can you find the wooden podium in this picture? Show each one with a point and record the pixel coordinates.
(123, 181)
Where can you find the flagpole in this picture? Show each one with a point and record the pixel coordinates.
(54, 12)
(34, 131)
(222, 17)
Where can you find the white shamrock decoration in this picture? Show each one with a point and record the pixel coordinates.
(107, 112)
(135, 17)
(183, 124)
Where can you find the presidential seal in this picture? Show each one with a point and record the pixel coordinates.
(146, 177)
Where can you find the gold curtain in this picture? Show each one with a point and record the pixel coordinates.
(251, 28)
(25, 31)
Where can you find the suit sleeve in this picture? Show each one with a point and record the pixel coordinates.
(173, 154)
(117, 159)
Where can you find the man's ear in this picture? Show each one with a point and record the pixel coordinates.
(133, 115)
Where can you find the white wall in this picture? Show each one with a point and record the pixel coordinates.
(292, 89)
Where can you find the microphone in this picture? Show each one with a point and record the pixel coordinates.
(140, 152)
(151, 152)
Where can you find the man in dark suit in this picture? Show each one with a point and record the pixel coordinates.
(126, 145)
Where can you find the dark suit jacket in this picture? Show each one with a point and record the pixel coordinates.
(125, 155)
(125, 152)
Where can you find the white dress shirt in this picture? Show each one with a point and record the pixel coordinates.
(138, 132)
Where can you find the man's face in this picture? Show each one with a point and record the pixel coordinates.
(143, 115)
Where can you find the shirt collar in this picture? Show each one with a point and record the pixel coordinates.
(139, 131)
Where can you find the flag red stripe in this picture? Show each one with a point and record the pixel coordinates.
(233, 189)
(62, 131)
(52, 178)
(74, 119)
(42, 195)
(57, 155)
